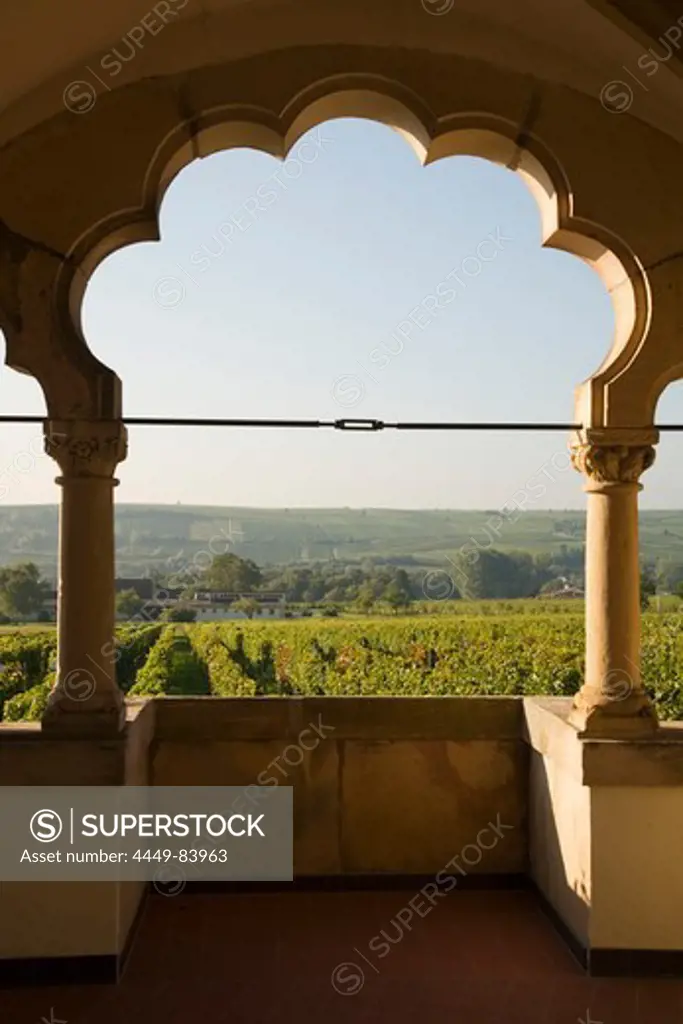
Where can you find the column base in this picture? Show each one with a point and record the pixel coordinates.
(628, 719)
(103, 722)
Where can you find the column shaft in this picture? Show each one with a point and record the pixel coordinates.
(612, 592)
(86, 592)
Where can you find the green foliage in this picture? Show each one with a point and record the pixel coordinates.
(648, 586)
(482, 571)
(479, 571)
(248, 606)
(25, 661)
(403, 656)
(129, 603)
(133, 645)
(27, 667)
(366, 598)
(522, 654)
(179, 613)
(396, 597)
(231, 573)
(172, 667)
(519, 647)
(29, 705)
(227, 677)
(22, 591)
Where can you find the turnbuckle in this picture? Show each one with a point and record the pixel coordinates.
(359, 425)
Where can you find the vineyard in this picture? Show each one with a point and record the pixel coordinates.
(506, 653)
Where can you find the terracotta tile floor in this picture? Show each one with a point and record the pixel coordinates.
(477, 957)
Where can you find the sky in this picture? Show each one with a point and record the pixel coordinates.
(349, 282)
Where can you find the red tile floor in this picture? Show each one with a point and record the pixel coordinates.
(475, 958)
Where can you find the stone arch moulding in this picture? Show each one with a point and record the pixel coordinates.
(370, 97)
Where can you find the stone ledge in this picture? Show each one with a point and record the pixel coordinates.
(542, 722)
(362, 718)
(34, 759)
(656, 760)
(32, 732)
(29, 756)
(21, 732)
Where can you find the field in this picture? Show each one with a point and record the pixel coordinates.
(28, 629)
(524, 651)
(149, 535)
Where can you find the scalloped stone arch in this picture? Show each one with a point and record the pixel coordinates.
(377, 99)
(594, 180)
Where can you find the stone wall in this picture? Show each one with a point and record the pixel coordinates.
(389, 785)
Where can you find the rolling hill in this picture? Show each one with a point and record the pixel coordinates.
(159, 535)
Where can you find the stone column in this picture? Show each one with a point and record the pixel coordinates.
(86, 699)
(612, 702)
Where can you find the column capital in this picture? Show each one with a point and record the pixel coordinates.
(613, 455)
(86, 448)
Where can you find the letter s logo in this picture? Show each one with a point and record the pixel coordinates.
(46, 826)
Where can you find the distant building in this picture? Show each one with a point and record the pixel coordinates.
(216, 605)
(564, 592)
(268, 598)
(142, 585)
(170, 593)
(210, 605)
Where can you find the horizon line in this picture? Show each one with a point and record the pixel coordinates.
(331, 508)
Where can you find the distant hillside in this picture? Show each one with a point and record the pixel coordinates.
(163, 535)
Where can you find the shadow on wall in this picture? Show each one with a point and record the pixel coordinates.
(560, 843)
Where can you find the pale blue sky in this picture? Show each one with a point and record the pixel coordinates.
(322, 263)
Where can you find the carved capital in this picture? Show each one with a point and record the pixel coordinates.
(613, 464)
(86, 448)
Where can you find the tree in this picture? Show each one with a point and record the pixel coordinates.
(395, 596)
(366, 598)
(670, 576)
(22, 591)
(129, 603)
(648, 586)
(230, 573)
(403, 582)
(248, 606)
(179, 613)
(482, 572)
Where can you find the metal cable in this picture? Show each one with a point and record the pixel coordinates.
(358, 425)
